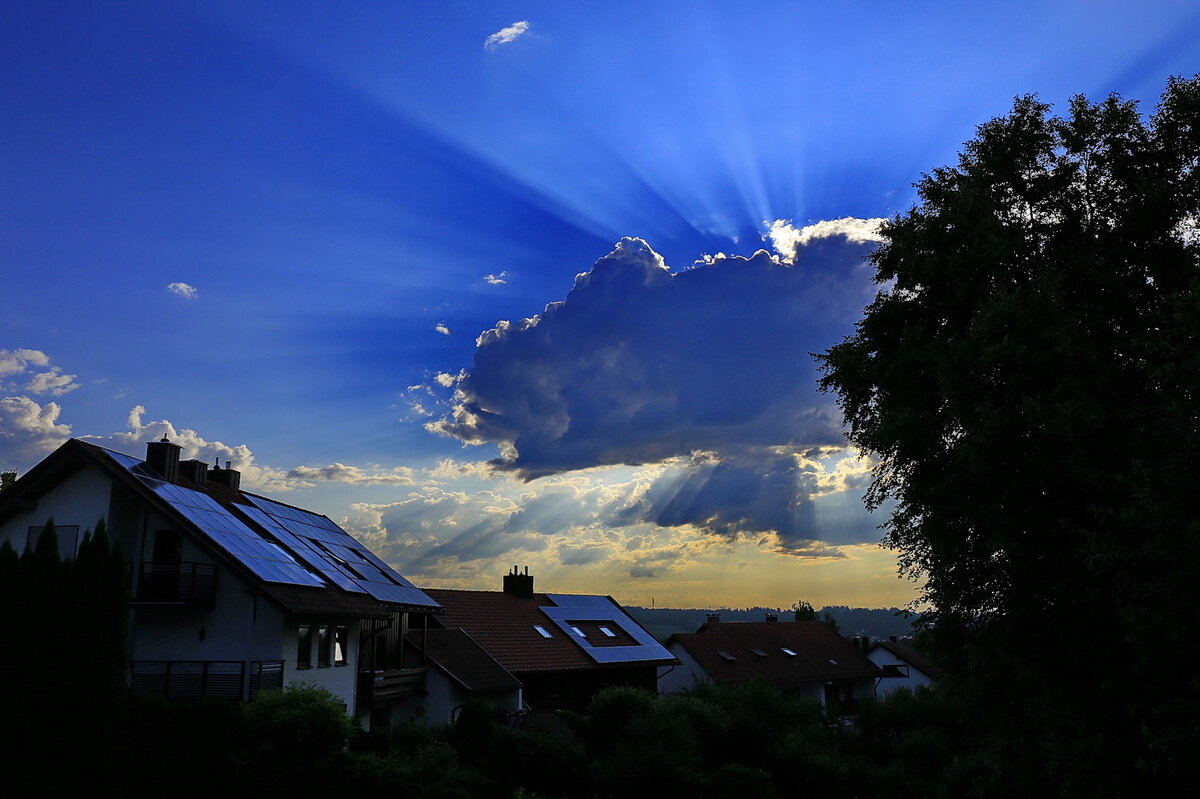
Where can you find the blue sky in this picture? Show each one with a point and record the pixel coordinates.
(305, 237)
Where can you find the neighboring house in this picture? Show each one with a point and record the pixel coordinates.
(803, 658)
(457, 669)
(563, 648)
(231, 593)
(902, 668)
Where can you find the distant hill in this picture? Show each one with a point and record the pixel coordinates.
(873, 622)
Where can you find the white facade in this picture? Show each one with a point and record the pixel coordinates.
(898, 673)
(240, 628)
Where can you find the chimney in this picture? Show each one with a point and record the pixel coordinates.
(772, 617)
(713, 618)
(163, 457)
(194, 470)
(518, 584)
(226, 478)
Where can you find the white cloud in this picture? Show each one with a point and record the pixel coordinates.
(495, 280)
(505, 35)
(788, 240)
(53, 382)
(441, 328)
(18, 361)
(183, 290)
(28, 431)
(254, 475)
(341, 473)
(446, 379)
(450, 469)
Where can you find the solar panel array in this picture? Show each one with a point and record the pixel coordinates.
(314, 552)
(266, 559)
(335, 554)
(598, 608)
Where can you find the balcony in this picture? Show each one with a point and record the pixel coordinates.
(381, 686)
(177, 584)
(204, 679)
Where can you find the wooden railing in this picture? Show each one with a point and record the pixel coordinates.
(181, 583)
(378, 686)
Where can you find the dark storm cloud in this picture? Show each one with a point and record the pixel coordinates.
(639, 364)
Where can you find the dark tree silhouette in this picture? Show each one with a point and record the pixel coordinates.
(1028, 378)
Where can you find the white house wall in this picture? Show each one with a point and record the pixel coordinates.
(888, 685)
(683, 677)
(339, 680)
(81, 499)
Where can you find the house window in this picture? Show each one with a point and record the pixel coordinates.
(304, 647)
(790, 653)
(578, 631)
(324, 642)
(68, 539)
(340, 641)
(607, 632)
(542, 631)
(759, 652)
(728, 658)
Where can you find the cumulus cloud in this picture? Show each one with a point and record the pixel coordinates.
(52, 382)
(195, 446)
(35, 365)
(616, 523)
(495, 280)
(14, 362)
(790, 241)
(183, 290)
(505, 35)
(638, 363)
(341, 473)
(28, 431)
(441, 328)
(708, 369)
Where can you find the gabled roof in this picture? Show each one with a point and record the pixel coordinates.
(734, 652)
(300, 559)
(457, 654)
(912, 657)
(506, 626)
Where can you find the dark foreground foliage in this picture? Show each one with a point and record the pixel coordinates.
(1028, 379)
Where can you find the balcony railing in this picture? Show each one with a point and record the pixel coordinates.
(178, 583)
(378, 686)
(204, 679)
(265, 675)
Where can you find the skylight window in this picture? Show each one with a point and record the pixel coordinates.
(728, 658)
(578, 631)
(542, 631)
(607, 632)
(759, 652)
(787, 651)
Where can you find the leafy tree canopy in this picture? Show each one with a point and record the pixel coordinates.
(1027, 378)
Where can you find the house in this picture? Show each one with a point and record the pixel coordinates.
(457, 669)
(562, 648)
(804, 658)
(902, 667)
(231, 592)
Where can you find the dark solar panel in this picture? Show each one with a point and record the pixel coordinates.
(264, 558)
(336, 552)
(598, 608)
(313, 557)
